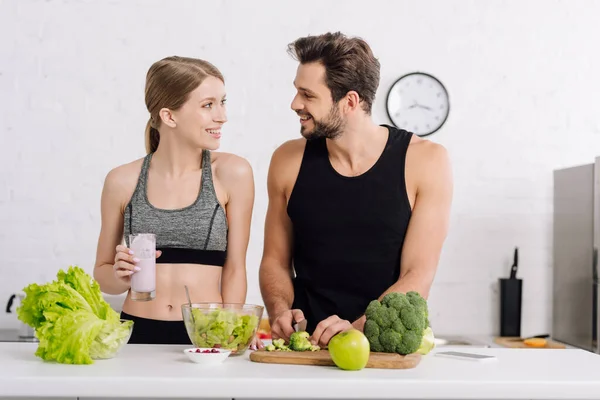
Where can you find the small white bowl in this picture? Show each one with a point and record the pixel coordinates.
(206, 358)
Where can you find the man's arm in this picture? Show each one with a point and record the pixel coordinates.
(428, 225)
(275, 274)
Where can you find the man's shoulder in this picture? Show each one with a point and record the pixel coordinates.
(290, 148)
(427, 160)
(426, 151)
(285, 164)
(289, 154)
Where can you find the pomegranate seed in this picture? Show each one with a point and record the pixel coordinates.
(206, 351)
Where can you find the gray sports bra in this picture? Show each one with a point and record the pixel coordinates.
(196, 234)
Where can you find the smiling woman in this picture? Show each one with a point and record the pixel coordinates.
(197, 202)
(192, 87)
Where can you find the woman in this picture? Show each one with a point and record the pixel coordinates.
(186, 194)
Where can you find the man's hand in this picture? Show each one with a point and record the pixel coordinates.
(328, 328)
(282, 324)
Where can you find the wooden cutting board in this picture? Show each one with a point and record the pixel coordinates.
(517, 343)
(322, 358)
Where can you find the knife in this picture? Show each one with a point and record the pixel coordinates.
(513, 269)
(300, 326)
(545, 336)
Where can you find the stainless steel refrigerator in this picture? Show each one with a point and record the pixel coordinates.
(576, 243)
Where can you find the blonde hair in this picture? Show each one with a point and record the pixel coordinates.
(168, 85)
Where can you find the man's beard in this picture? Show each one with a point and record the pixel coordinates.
(330, 127)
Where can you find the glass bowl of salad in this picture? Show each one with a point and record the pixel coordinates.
(227, 326)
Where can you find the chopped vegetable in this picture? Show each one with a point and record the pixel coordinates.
(298, 342)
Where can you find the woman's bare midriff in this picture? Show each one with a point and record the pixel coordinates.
(203, 282)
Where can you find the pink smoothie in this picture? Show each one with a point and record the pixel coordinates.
(143, 282)
(145, 279)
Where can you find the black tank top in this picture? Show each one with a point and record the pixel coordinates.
(348, 232)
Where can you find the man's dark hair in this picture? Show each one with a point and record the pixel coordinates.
(349, 64)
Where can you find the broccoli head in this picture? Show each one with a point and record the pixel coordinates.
(299, 341)
(397, 324)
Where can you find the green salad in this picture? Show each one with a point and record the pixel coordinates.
(221, 328)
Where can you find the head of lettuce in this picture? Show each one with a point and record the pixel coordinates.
(71, 319)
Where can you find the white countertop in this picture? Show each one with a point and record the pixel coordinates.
(164, 371)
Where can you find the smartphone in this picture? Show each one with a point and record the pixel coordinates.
(465, 356)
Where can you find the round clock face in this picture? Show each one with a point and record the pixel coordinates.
(418, 103)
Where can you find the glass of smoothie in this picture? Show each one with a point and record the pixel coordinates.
(143, 282)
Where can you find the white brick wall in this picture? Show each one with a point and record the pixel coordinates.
(523, 96)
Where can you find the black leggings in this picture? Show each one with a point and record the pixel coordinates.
(155, 331)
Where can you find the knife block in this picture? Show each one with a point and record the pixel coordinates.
(511, 291)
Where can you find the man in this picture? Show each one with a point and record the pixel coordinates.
(356, 210)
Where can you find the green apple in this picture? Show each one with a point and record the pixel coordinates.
(350, 350)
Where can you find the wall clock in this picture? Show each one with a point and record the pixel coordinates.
(419, 103)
